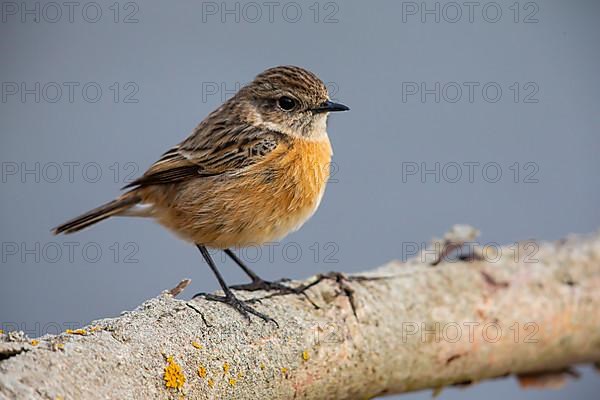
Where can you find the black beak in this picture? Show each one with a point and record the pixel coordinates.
(330, 106)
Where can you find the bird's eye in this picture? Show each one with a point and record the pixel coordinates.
(286, 103)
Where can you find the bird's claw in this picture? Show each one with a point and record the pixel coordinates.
(240, 306)
(267, 286)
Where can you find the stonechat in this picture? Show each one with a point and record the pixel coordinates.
(253, 171)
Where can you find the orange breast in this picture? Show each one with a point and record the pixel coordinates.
(303, 171)
(295, 189)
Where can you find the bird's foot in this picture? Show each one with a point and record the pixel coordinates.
(341, 280)
(267, 286)
(277, 287)
(240, 306)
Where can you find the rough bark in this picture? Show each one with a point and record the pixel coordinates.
(416, 326)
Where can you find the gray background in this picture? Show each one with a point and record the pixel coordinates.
(175, 54)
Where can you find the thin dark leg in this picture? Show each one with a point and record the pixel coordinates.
(241, 264)
(229, 297)
(214, 269)
(257, 282)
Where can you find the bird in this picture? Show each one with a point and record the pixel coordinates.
(254, 170)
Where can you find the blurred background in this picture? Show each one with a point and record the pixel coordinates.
(483, 113)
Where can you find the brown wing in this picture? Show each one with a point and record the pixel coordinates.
(210, 152)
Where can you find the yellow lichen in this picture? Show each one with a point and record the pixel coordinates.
(225, 368)
(95, 328)
(284, 370)
(1, 331)
(60, 346)
(76, 332)
(174, 377)
(232, 382)
(202, 371)
(305, 355)
(35, 342)
(196, 345)
(262, 365)
(211, 383)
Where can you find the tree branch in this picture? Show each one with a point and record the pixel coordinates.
(533, 311)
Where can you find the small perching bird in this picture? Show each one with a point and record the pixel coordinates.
(253, 171)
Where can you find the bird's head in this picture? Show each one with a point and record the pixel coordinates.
(290, 100)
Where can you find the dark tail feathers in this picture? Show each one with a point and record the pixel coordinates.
(98, 214)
